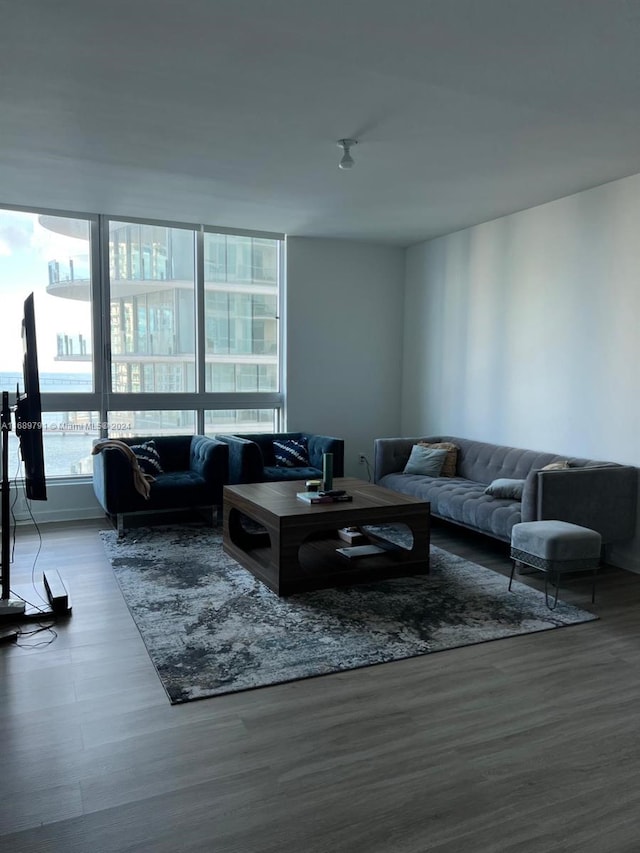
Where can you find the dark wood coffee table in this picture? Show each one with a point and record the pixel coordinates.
(296, 550)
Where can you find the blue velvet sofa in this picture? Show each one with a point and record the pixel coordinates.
(599, 495)
(252, 457)
(195, 469)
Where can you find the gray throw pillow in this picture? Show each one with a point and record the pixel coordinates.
(425, 461)
(505, 488)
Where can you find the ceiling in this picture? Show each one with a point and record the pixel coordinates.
(228, 111)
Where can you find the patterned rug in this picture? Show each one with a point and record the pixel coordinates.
(211, 628)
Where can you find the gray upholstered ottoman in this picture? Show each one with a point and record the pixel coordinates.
(555, 547)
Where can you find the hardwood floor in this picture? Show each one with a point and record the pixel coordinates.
(524, 744)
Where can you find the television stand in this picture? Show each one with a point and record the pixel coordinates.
(52, 603)
(15, 609)
(8, 635)
(11, 607)
(56, 592)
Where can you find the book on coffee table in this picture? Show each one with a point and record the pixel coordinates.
(352, 536)
(355, 552)
(318, 498)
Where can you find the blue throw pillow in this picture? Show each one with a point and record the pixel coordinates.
(426, 461)
(291, 452)
(148, 458)
(505, 488)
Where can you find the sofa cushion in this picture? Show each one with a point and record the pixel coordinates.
(461, 501)
(556, 466)
(291, 452)
(277, 473)
(504, 487)
(179, 489)
(451, 459)
(425, 461)
(148, 458)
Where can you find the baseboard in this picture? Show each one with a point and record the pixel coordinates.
(76, 514)
(67, 500)
(623, 558)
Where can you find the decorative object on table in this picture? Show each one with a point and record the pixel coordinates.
(323, 497)
(352, 536)
(327, 471)
(357, 552)
(313, 485)
(211, 628)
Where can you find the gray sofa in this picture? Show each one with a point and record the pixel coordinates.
(598, 495)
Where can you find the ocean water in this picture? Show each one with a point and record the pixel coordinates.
(60, 383)
(67, 451)
(65, 454)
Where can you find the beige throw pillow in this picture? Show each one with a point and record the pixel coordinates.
(556, 466)
(451, 459)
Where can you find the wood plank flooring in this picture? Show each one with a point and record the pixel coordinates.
(525, 744)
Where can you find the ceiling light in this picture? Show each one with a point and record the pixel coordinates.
(347, 161)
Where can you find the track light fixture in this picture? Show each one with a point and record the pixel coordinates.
(347, 161)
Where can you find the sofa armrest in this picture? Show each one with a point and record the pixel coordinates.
(209, 458)
(390, 455)
(246, 462)
(113, 482)
(601, 498)
(319, 444)
(530, 495)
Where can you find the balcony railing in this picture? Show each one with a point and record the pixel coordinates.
(69, 269)
(73, 348)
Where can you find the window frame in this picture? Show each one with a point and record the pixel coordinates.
(102, 398)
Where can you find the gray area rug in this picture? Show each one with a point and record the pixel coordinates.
(211, 628)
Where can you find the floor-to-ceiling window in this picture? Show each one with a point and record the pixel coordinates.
(242, 277)
(51, 257)
(169, 328)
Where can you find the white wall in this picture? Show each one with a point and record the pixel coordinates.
(526, 331)
(66, 501)
(344, 310)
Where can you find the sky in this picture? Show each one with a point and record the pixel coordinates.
(25, 251)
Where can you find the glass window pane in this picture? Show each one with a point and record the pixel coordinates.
(238, 258)
(241, 313)
(240, 420)
(267, 377)
(67, 439)
(151, 423)
(152, 278)
(264, 260)
(49, 256)
(215, 257)
(221, 378)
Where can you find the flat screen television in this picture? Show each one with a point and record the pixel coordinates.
(29, 410)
